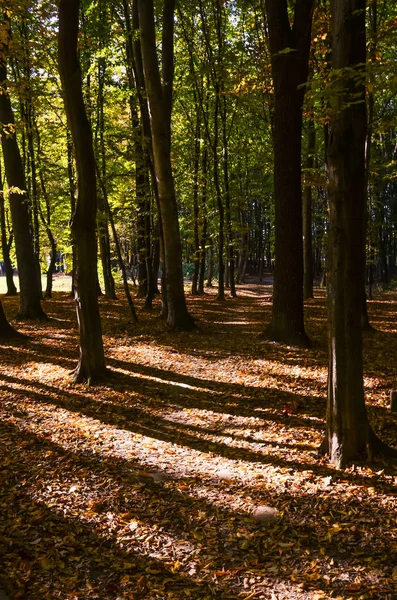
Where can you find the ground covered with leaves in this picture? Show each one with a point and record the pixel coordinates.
(193, 471)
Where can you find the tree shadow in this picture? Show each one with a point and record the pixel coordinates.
(63, 549)
(141, 420)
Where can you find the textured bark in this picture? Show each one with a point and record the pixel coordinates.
(30, 291)
(290, 55)
(159, 96)
(91, 364)
(6, 330)
(348, 432)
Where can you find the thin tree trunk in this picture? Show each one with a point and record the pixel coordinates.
(196, 211)
(152, 264)
(91, 365)
(72, 196)
(30, 291)
(290, 58)
(307, 214)
(204, 231)
(160, 101)
(219, 201)
(109, 216)
(103, 229)
(6, 244)
(210, 275)
(46, 220)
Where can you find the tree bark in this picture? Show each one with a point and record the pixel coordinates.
(160, 100)
(289, 47)
(196, 211)
(6, 244)
(348, 432)
(103, 226)
(30, 291)
(204, 230)
(6, 330)
(307, 214)
(91, 365)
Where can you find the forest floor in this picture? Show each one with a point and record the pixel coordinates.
(193, 472)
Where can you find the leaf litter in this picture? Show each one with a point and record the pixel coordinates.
(193, 471)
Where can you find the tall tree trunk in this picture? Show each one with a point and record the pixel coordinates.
(196, 211)
(72, 196)
(219, 201)
(204, 230)
(307, 214)
(103, 226)
(348, 432)
(30, 291)
(6, 244)
(91, 365)
(373, 22)
(289, 48)
(109, 217)
(134, 54)
(160, 101)
(210, 274)
(46, 218)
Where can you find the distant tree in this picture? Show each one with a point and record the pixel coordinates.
(349, 435)
(91, 365)
(30, 288)
(289, 46)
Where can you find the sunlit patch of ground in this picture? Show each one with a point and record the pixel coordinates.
(150, 486)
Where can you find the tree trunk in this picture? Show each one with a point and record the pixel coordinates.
(290, 55)
(210, 274)
(72, 196)
(307, 214)
(204, 230)
(91, 364)
(103, 226)
(219, 201)
(348, 433)
(152, 262)
(6, 244)
(196, 211)
(46, 219)
(6, 330)
(160, 99)
(30, 291)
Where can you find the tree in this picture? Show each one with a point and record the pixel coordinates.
(348, 432)
(160, 101)
(7, 331)
(30, 289)
(91, 365)
(289, 48)
(6, 242)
